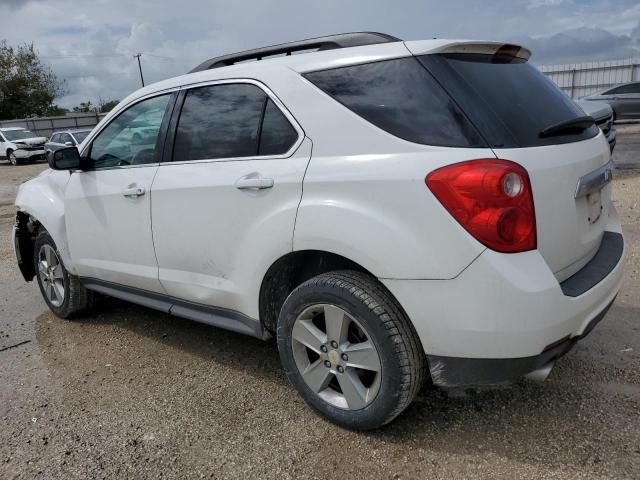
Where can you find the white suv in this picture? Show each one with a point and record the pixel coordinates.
(391, 211)
(18, 145)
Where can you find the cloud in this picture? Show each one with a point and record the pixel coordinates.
(582, 45)
(91, 44)
(13, 4)
(67, 30)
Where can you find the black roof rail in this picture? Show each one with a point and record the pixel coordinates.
(330, 42)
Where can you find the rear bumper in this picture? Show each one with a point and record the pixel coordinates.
(474, 372)
(508, 309)
(611, 138)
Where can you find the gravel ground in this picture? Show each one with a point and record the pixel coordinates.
(131, 393)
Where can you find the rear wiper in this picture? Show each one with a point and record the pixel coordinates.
(577, 124)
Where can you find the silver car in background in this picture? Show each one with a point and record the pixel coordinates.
(624, 100)
(67, 138)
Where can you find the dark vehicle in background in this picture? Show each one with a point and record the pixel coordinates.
(602, 113)
(624, 100)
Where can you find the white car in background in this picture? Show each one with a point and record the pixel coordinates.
(379, 206)
(19, 145)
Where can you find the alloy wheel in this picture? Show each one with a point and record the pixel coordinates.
(336, 357)
(51, 275)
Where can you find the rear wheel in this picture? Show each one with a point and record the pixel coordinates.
(350, 350)
(63, 292)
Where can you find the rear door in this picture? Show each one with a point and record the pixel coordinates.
(521, 114)
(225, 204)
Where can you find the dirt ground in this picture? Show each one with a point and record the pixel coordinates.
(128, 392)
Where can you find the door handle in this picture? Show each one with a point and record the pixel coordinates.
(251, 182)
(133, 191)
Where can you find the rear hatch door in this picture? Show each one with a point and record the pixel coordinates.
(526, 118)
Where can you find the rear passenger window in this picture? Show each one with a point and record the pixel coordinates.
(278, 135)
(402, 98)
(219, 121)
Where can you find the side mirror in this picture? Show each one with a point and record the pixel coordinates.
(65, 159)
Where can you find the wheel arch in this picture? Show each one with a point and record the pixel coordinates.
(40, 204)
(291, 270)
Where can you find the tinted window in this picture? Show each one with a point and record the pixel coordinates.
(630, 88)
(131, 138)
(65, 137)
(80, 136)
(277, 135)
(219, 121)
(54, 138)
(401, 97)
(508, 99)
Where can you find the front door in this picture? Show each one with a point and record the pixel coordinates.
(108, 206)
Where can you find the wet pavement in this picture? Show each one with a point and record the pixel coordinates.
(127, 392)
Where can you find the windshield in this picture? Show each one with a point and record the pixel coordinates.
(17, 134)
(80, 136)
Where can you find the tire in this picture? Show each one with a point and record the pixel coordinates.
(13, 160)
(73, 297)
(372, 317)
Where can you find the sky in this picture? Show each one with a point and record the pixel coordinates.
(90, 43)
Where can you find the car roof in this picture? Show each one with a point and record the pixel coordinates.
(8, 129)
(78, 130)
(634, 82)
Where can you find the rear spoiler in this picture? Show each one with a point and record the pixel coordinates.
(464, 46)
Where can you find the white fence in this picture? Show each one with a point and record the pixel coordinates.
(44, 126)
(582, 79)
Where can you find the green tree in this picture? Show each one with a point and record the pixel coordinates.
(27, 87)
(56, 110)
(105, 106)
(85, 107)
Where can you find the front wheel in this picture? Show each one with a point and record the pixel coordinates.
(63, 292)
(350, 350)
(13, 160)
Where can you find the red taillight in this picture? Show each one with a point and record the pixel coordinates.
(491, 199)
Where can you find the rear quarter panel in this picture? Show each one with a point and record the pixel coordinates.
(364, 194)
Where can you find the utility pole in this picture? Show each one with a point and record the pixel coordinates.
(140, 67)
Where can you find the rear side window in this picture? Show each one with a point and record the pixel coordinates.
(402, 98)
(277, 135)
(507, 99)
(630, 88)
(231, 121)
(219, 121)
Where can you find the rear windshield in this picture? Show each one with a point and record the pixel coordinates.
(507, 99)
(402, 98)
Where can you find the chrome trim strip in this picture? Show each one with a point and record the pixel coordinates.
(595, 180)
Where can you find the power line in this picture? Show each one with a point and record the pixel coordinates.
(84, 55)
(112, 55)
